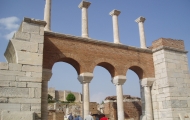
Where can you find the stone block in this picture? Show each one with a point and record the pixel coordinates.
(30, 68)
(29, 74)
(31, 92)
(11, 73)
(3, 100)
(15, 66)
(24, 100)
(9, 106)
(17, 115)
(3, 66)
(28, 79)
(7, 78)
(37, 38)
(4, 83)
(41, 30)
(21, 84)
(29, 58)
(40, 48)
(36, 74)
(34, 85)
(21, 36)
(30, 28)
(25, 46)
(14, 92)
(38, 92)
(25, 107)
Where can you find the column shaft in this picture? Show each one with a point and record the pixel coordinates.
(142, 35)
(120, 110)
(44, 101)
(47, 15)
(115, 29)
(86, 100)
(84, 22)
(148, 103)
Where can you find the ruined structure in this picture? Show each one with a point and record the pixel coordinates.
(162, 70)
(62, 94)
(132, 107)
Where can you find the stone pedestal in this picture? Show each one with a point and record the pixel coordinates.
(115, 14)
(147, 83)
(46, 75)
(85, 79)
(140, 22)
(47, 15)
(84, 6)
(118, 81)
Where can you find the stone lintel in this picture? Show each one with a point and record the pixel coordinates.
(168, 48)
(84, 4)
(34, 21)
(85, 77)
(147, 82)
(94, 41)
(119, 80)
(46, 75)
(115, 12)
(140, 19)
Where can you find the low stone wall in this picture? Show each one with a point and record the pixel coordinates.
(55, 115)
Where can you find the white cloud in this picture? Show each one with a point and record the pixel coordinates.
(10, 23)
(9, 36)
(98, 97)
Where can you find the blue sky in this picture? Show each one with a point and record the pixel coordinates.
(164, 18)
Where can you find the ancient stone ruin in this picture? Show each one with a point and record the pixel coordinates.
(162, 69)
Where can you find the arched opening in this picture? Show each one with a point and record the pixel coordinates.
(64, 81)
(101, 85)
(132, 88)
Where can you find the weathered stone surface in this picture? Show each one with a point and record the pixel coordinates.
(14, 92)
(40, 48)
(38, 92)
(28, 79)
(25, 46)
(21, 36)
(3, 100)
(31, 68)
(24, 100)
(17, 115)
(37, 38)
(3, 66)
(9, 106)
(11, 73)
(36, 74)
(29, 58)
(7, 78)
(15, 66)
(21, 84)
(25, 107)
(30, 28)
(34, 85)
(4, 83)
(31, 93)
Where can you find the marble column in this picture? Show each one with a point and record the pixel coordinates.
(146, 84)
(140, 22)
(115, 14)
(47, 15)
(118, 81)
(46, 75)
(84, 6)
(84, 79)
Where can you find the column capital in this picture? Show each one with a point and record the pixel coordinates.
(84, 4)
(85, 77)
(119, 80)
(140, 19)
(147, 82)
(115, 12)
(46, 74)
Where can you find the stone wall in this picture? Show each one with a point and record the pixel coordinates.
(170, 91)
(55, 115)
(132, 107)
(62, 94)
(21, 77)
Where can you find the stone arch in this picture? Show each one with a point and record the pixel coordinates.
(139, 70)
(107, 65)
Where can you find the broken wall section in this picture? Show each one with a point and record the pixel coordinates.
(21, 77)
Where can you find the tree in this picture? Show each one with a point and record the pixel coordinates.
(70, 97)
(50, 97)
